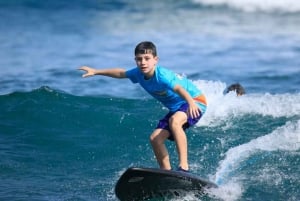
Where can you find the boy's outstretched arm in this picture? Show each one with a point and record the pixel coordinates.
(113, 72)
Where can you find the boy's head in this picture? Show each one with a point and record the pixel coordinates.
(237, 88)
(145, 47)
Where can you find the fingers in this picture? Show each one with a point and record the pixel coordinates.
(194, 112)
(87, 69)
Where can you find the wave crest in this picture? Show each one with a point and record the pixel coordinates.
(283, 6)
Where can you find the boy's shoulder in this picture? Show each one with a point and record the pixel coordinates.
(164, 75)
(167, 73)
(163, 71)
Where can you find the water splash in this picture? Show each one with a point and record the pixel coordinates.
(225, 106)
(285, 138)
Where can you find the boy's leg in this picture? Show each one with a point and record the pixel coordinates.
(157, 139)
(175, 124)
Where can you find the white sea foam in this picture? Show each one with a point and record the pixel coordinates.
(225, 106)
(229, 192)
(285, 6)
(285, 138)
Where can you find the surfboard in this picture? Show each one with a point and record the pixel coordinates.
(148, 183)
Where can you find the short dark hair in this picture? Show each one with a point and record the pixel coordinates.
(237, 87)
(145, 47)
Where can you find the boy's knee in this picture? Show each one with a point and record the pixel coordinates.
(174, 123)
(152, 137)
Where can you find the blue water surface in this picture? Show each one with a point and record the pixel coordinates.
(63, 137)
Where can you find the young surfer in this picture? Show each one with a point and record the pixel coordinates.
(186, 103)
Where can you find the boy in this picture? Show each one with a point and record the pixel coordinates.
(186, 103)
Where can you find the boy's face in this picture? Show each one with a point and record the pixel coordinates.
(146, 63)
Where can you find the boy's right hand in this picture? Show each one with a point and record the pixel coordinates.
(89, 71)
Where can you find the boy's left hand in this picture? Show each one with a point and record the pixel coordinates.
(193, 111)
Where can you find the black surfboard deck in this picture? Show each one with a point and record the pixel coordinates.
(146, 183)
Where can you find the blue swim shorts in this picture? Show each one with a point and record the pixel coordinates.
(164, 122)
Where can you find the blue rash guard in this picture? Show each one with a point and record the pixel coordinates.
(161, 86)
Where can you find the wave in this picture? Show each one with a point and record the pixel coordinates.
(256, 156)
(281, 6)
(48, 122)
(285, 138)
(46, 108)
(222, 107)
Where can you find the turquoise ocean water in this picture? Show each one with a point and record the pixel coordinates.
(63, 137)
